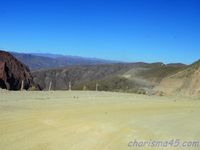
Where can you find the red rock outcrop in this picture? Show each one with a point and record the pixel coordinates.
(13, 73)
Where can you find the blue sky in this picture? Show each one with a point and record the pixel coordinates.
(127, 30)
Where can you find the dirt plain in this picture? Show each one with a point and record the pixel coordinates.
(85, 120)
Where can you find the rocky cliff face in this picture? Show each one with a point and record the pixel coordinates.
(13, 73)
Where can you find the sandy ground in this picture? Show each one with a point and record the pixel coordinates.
(76, 120)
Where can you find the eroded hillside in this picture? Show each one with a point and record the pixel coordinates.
(185, 82)
(132, 77)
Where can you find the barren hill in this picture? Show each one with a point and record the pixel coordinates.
(185, 82)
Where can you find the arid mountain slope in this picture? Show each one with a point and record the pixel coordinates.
(185, 82)
(131, 77)
(13, 72)
(60, 78)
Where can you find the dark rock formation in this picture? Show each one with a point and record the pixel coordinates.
(13, 73)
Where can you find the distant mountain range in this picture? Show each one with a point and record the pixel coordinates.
(125, 77)
(85, 74)
(41, 61)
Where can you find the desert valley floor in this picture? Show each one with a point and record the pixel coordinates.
(64, 120)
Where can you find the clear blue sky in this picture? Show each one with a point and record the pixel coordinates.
(127, 30)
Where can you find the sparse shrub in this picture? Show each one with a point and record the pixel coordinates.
(33, 88)
(84, 88)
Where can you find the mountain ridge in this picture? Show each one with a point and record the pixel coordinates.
(40, 61)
